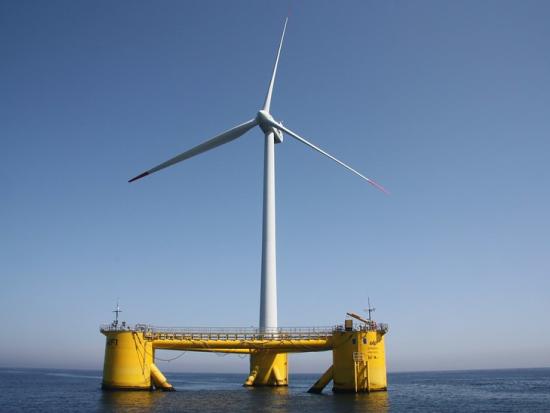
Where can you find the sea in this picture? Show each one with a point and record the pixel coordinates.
(38, 390)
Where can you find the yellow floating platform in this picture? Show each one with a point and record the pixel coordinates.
(359, 363)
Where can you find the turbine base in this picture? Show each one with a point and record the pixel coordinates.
(268, 368)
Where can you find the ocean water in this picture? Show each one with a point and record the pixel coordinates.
(522, 390)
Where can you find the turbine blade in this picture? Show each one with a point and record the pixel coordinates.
(305, 142)
(216, 141)
(267, 103)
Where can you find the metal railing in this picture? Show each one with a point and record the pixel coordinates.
(240, 333)
(236, 333)
(226, 333)
(115, 327)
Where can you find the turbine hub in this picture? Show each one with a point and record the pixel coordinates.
(264, 119)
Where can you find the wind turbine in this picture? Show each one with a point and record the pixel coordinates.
(273, 132)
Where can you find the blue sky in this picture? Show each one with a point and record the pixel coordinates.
(444, 103)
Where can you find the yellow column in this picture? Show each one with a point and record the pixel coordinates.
(376, 362)
(268, 368)
(128, 359)
(359, 361)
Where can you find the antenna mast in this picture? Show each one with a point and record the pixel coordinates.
(117, 311)
(370, 309)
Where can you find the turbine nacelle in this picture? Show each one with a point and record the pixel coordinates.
(265, 122)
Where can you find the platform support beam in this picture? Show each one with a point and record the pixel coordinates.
(159, 379)
(322, 382)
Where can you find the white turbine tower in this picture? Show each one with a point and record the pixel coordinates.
(273, 132)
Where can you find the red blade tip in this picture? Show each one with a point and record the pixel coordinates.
(380, 187)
